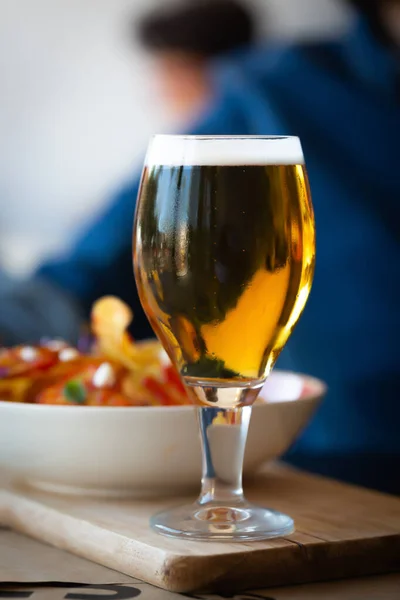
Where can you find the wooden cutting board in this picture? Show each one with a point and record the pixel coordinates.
(341, 531)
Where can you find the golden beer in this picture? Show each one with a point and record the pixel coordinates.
(224, 263)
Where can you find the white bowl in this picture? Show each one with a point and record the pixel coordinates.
(140, 450)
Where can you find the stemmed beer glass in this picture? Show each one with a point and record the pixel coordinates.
(224, 248)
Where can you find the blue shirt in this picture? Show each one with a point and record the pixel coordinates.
(341, 98)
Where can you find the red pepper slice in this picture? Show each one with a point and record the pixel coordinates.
(157, 389)
(172, 377)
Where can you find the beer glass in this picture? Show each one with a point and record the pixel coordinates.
(224, 246)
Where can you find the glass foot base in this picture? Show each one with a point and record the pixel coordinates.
(212, 522)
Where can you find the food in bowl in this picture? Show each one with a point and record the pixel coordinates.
(117, 371)
(118, 451)
(148, 450)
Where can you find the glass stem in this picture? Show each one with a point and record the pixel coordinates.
(223, 438)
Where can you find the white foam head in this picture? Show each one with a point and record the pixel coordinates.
(177, 150)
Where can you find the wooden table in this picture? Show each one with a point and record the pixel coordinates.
(341, 532)
(29, 566)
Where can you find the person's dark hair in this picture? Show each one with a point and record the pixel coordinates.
(206, 28)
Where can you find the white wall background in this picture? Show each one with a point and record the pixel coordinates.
(75, 110)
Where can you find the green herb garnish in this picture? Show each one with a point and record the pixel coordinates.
(75, 391)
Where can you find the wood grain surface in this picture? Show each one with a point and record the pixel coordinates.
(341, 531)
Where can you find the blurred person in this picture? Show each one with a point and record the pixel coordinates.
(342, 99)
(182, 39)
